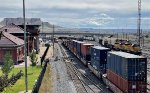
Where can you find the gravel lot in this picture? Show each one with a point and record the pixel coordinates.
(61, 81)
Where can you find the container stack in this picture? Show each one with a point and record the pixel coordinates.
(85, 52)
(99, 58)
(79, 43)
(75, 46)
(67, 43)
(71, 46)
(127, 71)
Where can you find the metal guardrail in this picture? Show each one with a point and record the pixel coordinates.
(39, 80)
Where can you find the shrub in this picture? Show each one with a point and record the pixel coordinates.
(8, 64)
(33, 58)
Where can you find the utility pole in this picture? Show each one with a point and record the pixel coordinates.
(126, 36)
(123, 35)
(142, 38)
(25, 47)
(42, 27)
(53, 39)
(139, 22)
(117, 35)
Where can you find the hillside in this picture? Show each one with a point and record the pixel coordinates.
(47, 27)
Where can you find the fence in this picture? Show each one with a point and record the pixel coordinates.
(43, 56)
(38, 83)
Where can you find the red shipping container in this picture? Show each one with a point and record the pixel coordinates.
(85, 48)
(126, 86)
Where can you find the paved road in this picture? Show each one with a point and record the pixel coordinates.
(61, 82)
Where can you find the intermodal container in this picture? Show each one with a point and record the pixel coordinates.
(99, 58)
(67, 43)
(125, 85)
(100, 41)
(85, 51)
(110, 85)
(71, 45)
(129, 66)
(79, 43)
(98, 65)
(75, 46)
(99, 53)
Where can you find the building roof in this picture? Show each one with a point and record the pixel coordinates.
(125, 55)
(8, 40)
(12, 28)
(20, 21)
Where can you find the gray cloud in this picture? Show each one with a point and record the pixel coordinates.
(76, 13)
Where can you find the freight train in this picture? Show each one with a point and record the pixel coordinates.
(122, 45)
(121, 72)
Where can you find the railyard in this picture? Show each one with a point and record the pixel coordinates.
(71, 76)
(79, 76)
(142, 54)
(91, 46)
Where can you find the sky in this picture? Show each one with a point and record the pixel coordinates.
(81, 13)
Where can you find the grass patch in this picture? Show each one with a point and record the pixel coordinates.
(33, 73)
(46, 82)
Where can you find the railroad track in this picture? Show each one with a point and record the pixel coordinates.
(82, 82)
(89, 76)
(80, 87)
(79, 84)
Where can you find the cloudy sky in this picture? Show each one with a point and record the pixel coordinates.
(81, 13)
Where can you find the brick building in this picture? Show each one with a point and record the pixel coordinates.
(32, 25)
(12, 44)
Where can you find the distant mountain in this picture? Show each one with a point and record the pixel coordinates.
(112, 30)
(47, 24)
(47, 27)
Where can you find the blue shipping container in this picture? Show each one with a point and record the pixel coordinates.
(99, 53)
(128, 66)
(99, 57)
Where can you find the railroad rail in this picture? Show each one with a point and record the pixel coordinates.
(79, 79)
